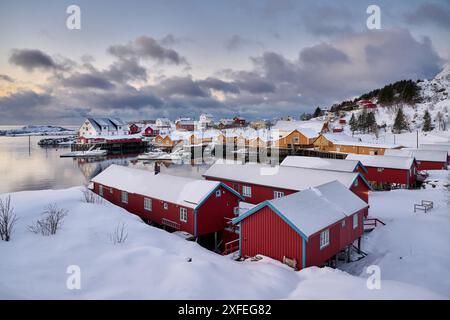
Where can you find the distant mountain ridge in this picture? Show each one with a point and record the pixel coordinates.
(414, 97)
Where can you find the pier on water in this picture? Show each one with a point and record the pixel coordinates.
(122, 147)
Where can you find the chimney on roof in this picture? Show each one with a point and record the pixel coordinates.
(157, 168)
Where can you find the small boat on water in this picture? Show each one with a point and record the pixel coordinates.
(153, 155)
(92, 152)
(161, 155)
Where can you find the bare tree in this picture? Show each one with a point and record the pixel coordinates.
(50, 222)
(91, 197)
(120, 234)
(7, 219)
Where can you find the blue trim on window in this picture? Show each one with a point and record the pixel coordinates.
(268, 204)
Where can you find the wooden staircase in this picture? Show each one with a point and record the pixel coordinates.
(372, 223)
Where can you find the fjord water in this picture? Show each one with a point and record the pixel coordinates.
(26, 166)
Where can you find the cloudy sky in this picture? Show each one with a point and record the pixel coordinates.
(255, 58)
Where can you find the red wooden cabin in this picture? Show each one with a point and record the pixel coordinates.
(388, 170)
(343, 165)
(198, 207)
(306, 228)
(133, 128)
(257, 182)
(426, 159)
(150, 131)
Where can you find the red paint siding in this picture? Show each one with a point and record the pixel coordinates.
(390, 176)
(264, 232)
(259, 193)
(263, 193)
(347, 234)
(361, 190)
(210, 215)
(316, 256)
(431, 165)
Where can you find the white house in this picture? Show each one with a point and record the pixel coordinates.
(163, 123)
(205, 120)
(95, 127)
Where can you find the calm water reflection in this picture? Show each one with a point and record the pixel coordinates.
(25, 166)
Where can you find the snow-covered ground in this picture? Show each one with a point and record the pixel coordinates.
(412, 251)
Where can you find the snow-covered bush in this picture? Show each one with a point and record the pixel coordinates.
(91, 197)
(7, 219)
(120, 234)
(51, 221)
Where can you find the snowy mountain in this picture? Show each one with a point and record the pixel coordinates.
(433, 96)
(35, 130)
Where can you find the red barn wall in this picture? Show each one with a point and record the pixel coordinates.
(211, 214)
(388, 175)
(431, 165)
(316, 256)
(263, 193)
(135, 205)
(264, 232)
(361, 190)
(259, 193)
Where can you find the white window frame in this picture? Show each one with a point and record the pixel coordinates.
(356, 182)
(166, 206)
(380, 169)
(124, 197)
(236, 211)
(111, 190)
(148, 204)
(218, 193)
(183, 214)
(100, 190)
(296, 140)
(278, 194)
(355, 221)
(247, 191)
(324, 239)
(343, 223)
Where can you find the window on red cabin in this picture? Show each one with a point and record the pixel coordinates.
(324, 239)
(166, 206)
(183, 215)
(355, 221)
(218, 193)
(380, 169)
(100, 190)
(355, 183)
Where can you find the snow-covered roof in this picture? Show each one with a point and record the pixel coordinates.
(321, 163)
(314, 209)
(290, 125)
(346, 140)
(183, 191)
(419, 154)
(339, 137)
(393, 162)
(436, 146)
(309, 133)
(283, 177)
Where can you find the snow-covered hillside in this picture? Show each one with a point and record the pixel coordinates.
(435, 95)
(411, 250)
